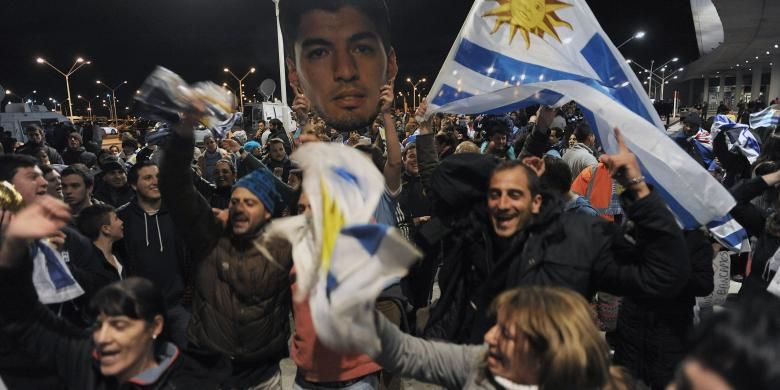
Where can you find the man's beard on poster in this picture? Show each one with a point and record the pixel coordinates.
(352, 122)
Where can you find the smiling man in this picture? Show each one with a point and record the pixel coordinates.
(521, 237)
(152, 247)
(241, 298)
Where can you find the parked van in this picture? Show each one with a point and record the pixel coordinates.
(17, 116)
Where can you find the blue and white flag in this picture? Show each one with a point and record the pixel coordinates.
(366, 259)
(342, 261)
(514, 53)
(767, 117)
(738, 137)
(51, 277)
(729, 233)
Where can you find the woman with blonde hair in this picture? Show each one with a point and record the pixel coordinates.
(544, 338)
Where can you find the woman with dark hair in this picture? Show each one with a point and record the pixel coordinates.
(126, 349)
(737, 349)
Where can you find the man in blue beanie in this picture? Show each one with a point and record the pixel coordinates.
(241, 296)
(254, 148)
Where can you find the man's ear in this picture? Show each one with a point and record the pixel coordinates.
(105, 230)
(292, 74)
(392, 65)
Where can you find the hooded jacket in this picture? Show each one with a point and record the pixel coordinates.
(152, 249)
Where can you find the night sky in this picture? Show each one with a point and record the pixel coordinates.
(198, 38)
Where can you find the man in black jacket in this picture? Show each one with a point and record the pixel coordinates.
(152, 247)
(76, 153)
(521, 237)
(36, 141)
(111, 185)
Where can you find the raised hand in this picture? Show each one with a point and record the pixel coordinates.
(536, 164)
(42, 219)
(386, 98)
(301, 106)
(419, 116)
(544, 117)
(624, 167)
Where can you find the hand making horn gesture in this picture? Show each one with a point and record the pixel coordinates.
(419, 115)
(301, 106)
(624, 167)
(386, 98)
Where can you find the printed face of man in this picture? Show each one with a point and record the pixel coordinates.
(340, 65)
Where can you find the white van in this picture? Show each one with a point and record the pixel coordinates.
(17, 116)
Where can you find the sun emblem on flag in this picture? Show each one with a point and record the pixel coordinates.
(529, 17)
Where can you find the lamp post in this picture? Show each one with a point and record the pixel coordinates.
(226, 86)
(240, 86)
(113, 97)
(638, 35)
(414, 90)
(650, 71)
(9, 94)
(28, 95)
(665, 78)
(89, 106)
(75, 67)
(282, 75)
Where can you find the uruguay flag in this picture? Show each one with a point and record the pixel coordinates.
(729, 233)
(767, 117)
(738, 137)
(514, 53)
(51, 277)
(343, 261)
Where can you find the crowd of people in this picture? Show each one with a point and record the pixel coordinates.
(547, 264)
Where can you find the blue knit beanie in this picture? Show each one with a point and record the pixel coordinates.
(262, 184)
(251, 145)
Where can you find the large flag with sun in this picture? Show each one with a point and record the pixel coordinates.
(515, 53)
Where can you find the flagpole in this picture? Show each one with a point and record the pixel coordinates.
(282, 75)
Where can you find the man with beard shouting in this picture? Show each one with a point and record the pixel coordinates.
(241, 299)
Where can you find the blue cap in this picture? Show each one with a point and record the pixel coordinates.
(262, 184)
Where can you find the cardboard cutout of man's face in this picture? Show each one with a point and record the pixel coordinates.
(340, 64)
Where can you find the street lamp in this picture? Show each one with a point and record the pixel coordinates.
(414, 90)
(226, 86)
(665, 78)
(240, 86)
(650, 83)
(113, 97)
(89, 105)
(9, 94)
(75, 67)
(638, 35)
